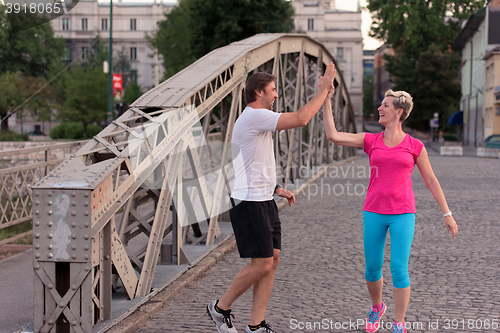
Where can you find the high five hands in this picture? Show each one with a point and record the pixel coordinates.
(326, 81)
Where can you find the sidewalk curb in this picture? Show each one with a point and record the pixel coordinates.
(151, 306)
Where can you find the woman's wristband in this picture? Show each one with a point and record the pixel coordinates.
(447, 214)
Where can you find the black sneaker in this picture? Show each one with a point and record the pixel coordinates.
(222, 321)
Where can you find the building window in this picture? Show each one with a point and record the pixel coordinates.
(310, 24)
(84, 24)
(133, 53)
(133, 24)
(340, 53)
(85, 52)
(66, 56)
(65, 23)
(492, 75)
(104, 24)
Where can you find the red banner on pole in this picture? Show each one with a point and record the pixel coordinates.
(117, 87)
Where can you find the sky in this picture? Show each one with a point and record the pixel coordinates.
(369, 43)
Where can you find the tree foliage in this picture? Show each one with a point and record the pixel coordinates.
(196, 27)
(28, 57)
(10, 86)
(368, 95)
(73, 131)
(15, 88)
(132, 92)
(86, 96)
(85, 90)
(32, 52)
(421, 33)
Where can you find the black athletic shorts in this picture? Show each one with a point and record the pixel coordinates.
(257, 228)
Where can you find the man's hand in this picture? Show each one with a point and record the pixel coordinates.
(281, 192)
(326, 82)
(332, 88)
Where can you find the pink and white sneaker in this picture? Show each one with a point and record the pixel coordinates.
(398, 328)
(373, 321)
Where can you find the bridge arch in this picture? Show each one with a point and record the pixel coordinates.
(144, 174)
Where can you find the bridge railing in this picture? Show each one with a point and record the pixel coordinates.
(31, 165)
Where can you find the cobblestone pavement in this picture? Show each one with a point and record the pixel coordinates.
(321, 275)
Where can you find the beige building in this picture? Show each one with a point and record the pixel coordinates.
(340, 32)
(492, 93)
(131, 23)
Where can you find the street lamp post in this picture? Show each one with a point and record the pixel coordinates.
(110, 72)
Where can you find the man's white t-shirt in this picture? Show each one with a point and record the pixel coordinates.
(254, 163)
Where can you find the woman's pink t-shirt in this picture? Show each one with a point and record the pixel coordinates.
(390, 190)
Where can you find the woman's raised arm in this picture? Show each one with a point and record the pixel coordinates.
(341, 138)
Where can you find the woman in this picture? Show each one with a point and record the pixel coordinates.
(390, 202)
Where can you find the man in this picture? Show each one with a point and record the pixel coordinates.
(254, 216)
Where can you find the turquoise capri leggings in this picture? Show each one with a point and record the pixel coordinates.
(401, 228)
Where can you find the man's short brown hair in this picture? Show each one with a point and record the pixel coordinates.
(258, 81)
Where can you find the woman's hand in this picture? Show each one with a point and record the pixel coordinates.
(281, 192)
(332, 87)
(326, 81)
(451, 225)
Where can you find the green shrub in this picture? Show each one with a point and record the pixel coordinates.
(73, 131)
(67, 131)
(449, 137)
(13, 136)
(93, 130)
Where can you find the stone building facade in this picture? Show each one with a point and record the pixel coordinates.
(340, 31)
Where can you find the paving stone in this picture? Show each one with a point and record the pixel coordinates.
(321, 274)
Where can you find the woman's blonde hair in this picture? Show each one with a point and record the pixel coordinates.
(401, 100)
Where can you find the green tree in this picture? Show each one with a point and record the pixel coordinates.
(41, 105)
(132, 92)
(84, 90)
(421, 33)
(86, 96)
(10, 96)
(368, 94)
(16, 88)
(196, 27)
(435, 73)
(32, 52)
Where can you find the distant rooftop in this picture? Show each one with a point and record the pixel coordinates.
(342, 29)
(469, 29)
(341, 11)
